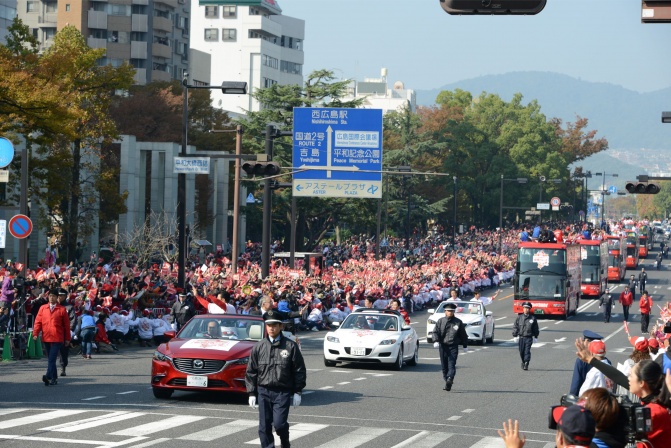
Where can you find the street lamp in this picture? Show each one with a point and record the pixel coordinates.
(603, 192)
(454, 224)
(519, 180)
(227, 88)
(666, 117)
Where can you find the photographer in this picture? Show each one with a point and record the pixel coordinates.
(646, 381)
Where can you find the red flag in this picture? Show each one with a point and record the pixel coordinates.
(626, 328)
(203, 302)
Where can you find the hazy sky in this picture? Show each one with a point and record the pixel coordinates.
(421, 45)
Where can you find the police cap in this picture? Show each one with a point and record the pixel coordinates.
(587, 334)
(451, 306)
(272, 317)
(526, 305)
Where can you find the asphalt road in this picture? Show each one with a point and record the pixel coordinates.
(107, 401)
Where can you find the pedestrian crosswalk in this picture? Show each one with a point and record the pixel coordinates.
(133, 429)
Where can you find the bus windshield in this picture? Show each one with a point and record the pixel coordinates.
(547, 261)
(613, 260)
(590, 255)
(590, 275)
(631, 251)
(540, 287)
(631, 238)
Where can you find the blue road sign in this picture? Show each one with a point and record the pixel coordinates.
(6, 152)
(20, 226)
(337, 152)
(612, 189)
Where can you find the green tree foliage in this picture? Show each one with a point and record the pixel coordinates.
(60, 98)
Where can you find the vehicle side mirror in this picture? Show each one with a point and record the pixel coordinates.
(335, 324)
(405, 327)
(431, 311)
(169, 334)
(488, 313)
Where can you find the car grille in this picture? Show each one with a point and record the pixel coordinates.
(186, 365)
(368, 351)
(210, 382)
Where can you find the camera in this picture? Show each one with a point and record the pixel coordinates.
(635, 420)
(667, 327)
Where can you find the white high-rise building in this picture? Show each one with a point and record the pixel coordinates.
(248, 40)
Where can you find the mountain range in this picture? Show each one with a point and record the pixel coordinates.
(631, 121)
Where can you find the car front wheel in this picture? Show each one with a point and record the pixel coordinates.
(490, 340)
(415, 356)
(328, 363)
(398, 365)
(162, 394)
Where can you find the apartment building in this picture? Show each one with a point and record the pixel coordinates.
(153, 35)
(248, 40)
(378, 95)
(7, 14)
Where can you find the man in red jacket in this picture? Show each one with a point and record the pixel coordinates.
(626, 299)
(645, 305)
(53, 322)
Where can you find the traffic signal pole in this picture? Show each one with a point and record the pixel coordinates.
(267, 208)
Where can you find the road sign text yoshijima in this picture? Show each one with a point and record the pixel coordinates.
(337, 152)
(192, 165)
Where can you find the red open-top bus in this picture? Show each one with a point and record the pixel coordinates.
(617, 268)
(594, 259)
(632, 250)
(548, 276)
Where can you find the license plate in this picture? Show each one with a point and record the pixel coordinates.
(538, 311)
(196, 381)
(359, 351)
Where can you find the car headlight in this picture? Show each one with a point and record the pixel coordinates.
(477, 323)
(158, 356)
(237, 362)
(432, 322)
(388, 342)
(333, 339)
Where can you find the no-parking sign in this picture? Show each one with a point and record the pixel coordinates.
(20, 226)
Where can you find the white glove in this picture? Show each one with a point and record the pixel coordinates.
(465, 349)
(252, 402)
(436, 344)
(297, 400)
(516, 339)
(535, 340)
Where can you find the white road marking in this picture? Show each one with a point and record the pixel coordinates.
(489, 442)
(308, 392)
(378, 374)
(468, 411)
(558, 322)
(355, 438)
(359, 379)
(501, 318)
(93, 398)
(70, 441)
(613, 333)
(326, 388)
(92, 422)
(425, 439)
(11, 411)
(37, 418)
(295, 432)
(151, 428)
(454, 417)
(150, 443)
(343, 383)
(128, 392)
(207, 435)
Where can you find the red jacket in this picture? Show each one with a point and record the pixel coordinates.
(645, 305)
(101, 334)
(626, 299)
(54, 326)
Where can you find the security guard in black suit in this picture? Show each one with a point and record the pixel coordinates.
(525, 332)
(448, 333)
(276, 375)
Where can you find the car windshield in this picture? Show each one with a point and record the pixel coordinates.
(462, 307)
(371, 322)
(223, 327)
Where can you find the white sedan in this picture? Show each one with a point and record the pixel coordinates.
(479, 323)
(374, 337)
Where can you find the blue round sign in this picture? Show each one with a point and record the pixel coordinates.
(6, 152)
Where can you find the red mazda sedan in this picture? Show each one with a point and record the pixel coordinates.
(209, 353)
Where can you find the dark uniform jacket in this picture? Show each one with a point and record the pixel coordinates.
(183, 312)
(526, 326)
(278, 365)
(450, 332)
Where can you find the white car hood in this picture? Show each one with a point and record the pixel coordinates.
(363, 338)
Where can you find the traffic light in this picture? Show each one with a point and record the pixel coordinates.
(261, 168)
(636, 187)
(489, 7)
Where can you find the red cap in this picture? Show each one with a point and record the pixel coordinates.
(640, 343)
(597, 347)
(653, 343)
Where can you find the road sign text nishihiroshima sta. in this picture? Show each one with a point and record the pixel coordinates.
(337, 152)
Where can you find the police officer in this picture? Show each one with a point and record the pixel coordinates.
(276, 375)
(448, 333)
(182, 311)
(525, 332)
(607, 305)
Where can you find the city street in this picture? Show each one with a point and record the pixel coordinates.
(107, 401)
